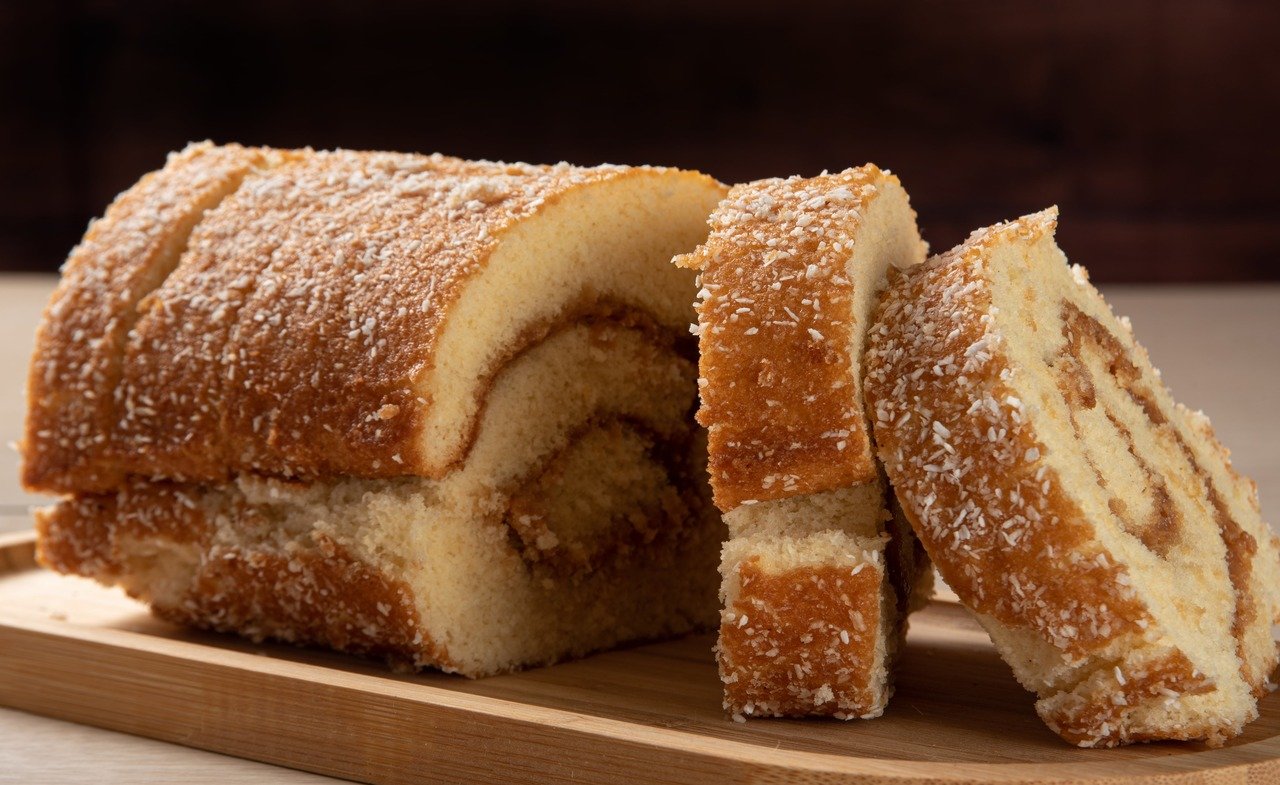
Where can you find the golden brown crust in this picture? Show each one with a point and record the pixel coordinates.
(803, 642)
(910, 388)
(1100, 718)
(294, 336)
(776, 325)
(314, 595)
(320, 596)
(123, 256)
(1085, 605)
(80, 535)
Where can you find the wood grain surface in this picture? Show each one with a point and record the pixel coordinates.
(649, 713)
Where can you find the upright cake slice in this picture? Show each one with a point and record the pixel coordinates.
(815, 592)
(436, 410)
(1095, 527)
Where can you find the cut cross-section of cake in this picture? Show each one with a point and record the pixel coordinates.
(1095, 527)
(430, 409)
(815, 590)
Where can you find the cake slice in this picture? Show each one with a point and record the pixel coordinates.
(815, 590)
(1096, 528)
(433, 410)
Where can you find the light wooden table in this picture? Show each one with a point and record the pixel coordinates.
(1217, 346)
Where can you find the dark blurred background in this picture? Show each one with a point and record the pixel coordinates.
(1152, 124)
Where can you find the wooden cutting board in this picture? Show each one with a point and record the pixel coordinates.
(74, 650)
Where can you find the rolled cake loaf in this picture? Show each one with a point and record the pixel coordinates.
(434, 410)
(1095, 527)
(815, 591)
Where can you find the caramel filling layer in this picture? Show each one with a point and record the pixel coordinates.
(598, 314)
(1159, 524)
(618, 486)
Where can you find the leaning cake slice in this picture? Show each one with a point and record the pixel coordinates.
(1095, 527)
(815, 592)
(433, 410)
